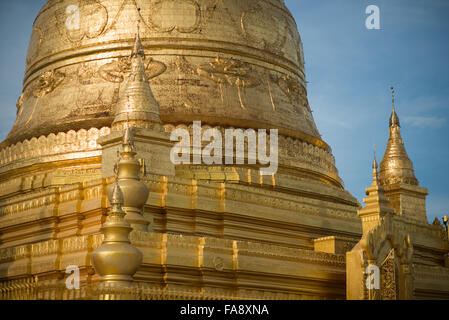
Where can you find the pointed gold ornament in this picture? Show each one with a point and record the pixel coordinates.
(137, 106)
(396, 166)
(135, 192)
(116, 260)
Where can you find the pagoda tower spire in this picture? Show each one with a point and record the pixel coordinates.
(137, 127)
(397, 175)
(396, 166)
(137, 102)
(375, 173)
(377, 203)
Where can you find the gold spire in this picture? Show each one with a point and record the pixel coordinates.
(377, 203)
(117, 198)
(137, 103)
(375, 173)
(138, 49)
(396, 166)
(394, 119)
(135, 192)
(128, 138)
(116, 260)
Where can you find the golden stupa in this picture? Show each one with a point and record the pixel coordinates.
(120, 76)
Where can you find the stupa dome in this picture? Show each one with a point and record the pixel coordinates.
(228, 63)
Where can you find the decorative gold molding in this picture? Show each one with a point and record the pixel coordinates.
(30, 288)
(63, 142)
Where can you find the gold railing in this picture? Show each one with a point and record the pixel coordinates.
(55, 289)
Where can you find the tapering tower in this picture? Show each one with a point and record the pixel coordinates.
(137, 105)
(397, 175)
(377, 204)
(396, 166)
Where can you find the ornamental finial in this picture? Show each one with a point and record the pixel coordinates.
(138, 21)
(394, 119)
(138, 47)
(375, 166)
(137, 104)
(116, 260)
(392, 95)
(375, 161)
(128, 139)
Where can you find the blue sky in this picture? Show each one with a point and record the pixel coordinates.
(349, 69)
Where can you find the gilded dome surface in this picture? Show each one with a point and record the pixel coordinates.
(229, 63)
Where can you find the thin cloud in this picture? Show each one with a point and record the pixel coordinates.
(425, 122)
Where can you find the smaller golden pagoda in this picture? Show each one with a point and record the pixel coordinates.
(397, 175)
(137, 105)
(394, 252)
